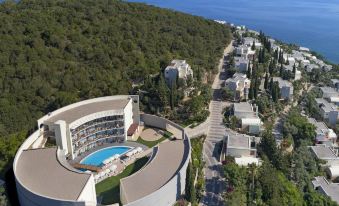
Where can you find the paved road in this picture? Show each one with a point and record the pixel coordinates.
(213, 170)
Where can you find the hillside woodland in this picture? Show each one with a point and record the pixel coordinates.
(54, 52)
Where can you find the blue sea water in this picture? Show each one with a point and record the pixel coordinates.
(99, 156)
(310, 23)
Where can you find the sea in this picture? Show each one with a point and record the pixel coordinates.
(309, 23)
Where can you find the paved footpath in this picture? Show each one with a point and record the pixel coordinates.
(213, 170)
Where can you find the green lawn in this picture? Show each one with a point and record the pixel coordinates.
(109, 189)
(150, 144)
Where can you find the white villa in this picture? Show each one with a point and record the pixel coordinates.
(250, 120)
(242, 147)
(328, 111)
(286, 88)
(324, 134)
(178, 69)
(240, 85)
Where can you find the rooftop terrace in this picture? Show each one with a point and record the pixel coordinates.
(41, 172)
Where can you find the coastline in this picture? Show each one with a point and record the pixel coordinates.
(318, 55)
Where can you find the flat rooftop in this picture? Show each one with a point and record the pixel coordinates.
(238, 141)
(243, 107)
(326, 106)
(329, 90)
(323, 152)
(157, 173)
(73, 114)
(282, 83)
(321, 126)
(42, 173)
(331, 189)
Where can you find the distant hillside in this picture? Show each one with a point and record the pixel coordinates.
(54, 52)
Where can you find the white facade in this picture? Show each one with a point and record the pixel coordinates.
(240, 85)
(178, 69)
(241, 147)
(44, 176)
(286, 88)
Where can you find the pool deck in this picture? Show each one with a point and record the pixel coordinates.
(126, 144)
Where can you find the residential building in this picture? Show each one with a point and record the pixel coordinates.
(335, 83)
(240, 85)
(309, 67)
(248, 41)
(289, 58)
(298, 56)
(328, 111)
(322, 185)
(305, 49)
(242, 147)
(178, 69)
(328, 92)
(286, 88)
(324, 135)
(297, 74)
(248, 116)
(241, 64)
(326, 153)
(244, 51)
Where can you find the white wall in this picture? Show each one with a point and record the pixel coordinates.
(237, 152)
(88, 194)
(128, 117)
(60, 135)
(169, 193)
(30, 198)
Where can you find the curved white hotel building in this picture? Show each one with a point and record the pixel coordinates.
(45, 175)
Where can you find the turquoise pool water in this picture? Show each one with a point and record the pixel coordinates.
(99, 156)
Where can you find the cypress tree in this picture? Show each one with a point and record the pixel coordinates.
(190, 189)
(174, 94)
(281, 70)
(294, 69)
(274, 93)
(260, 56)
(162, 89)
(251, 92)
(271, 85)
(255, 89)
(271, 68)
(263, 56)
(276, 54)
(249, 73)
(266, 81)
(253, 45)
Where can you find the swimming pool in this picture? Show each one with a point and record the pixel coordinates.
(99, 156)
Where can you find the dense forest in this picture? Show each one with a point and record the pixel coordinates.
(53, 53)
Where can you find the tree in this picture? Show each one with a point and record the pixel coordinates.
(294, 69)
(276, 189)
(163, 91)
(251, 92)
(270, 86)
(276, 92)
(190, 188)
(174, 94)
(46, 66)
(266, 81)
(253, 46)
(227, 93)
(249, 71)
(271, 67)
(256, 88)
(281, 71)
